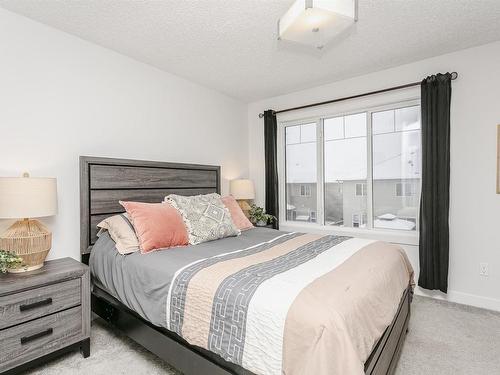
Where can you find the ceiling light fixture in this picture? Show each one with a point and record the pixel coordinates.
(316, 22)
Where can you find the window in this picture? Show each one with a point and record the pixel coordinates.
(301, 172)
(361, 190)
(301, 190)
(305, 190)
(358, 170)
(406, 189)
(345, 168)
(396, 162)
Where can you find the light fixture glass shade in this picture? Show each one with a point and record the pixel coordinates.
(27, 197)
(242, 189)
(316, 22)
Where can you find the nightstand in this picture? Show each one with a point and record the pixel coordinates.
(44, 313)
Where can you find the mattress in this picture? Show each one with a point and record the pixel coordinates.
(271, 302)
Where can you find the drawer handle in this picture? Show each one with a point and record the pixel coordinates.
(26, 339)
(34, 305)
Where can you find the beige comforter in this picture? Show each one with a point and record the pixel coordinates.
(298, 304)
(334, 323)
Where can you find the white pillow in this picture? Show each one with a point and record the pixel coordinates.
(122, 232)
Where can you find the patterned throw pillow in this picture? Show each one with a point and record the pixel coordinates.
(205, 216)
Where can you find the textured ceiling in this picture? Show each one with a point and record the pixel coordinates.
(231, 46)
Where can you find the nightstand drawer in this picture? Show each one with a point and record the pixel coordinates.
(38, 337)
(38, 302)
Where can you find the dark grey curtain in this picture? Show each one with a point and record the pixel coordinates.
(434, 204)
(270, 149)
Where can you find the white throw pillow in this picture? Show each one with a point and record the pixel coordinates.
(122, 232)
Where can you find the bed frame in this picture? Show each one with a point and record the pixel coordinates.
(105, 181)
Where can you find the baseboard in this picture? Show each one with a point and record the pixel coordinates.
(462, 298)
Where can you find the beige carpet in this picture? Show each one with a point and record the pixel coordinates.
(444, 339)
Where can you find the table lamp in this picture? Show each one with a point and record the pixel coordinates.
(242, 191)
(25, 198)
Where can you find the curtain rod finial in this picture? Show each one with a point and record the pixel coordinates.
(262, 114)
(454, 75)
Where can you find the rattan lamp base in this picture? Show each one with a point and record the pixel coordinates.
(30, 240)
(245, 207)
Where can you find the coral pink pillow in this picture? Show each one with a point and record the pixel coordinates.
(157, 225)
(239, 218)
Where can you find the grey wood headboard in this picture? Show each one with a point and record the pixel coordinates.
(105, 181)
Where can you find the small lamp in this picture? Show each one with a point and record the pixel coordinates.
(24, 198)
(242, 191)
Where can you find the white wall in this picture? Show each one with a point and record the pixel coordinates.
(62, 97)
(475, 113)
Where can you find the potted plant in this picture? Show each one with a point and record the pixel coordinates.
(258, 216)
(9, 261)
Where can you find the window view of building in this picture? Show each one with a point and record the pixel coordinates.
(396, 168)
(301, 173)
(395, 163)
(345, 165)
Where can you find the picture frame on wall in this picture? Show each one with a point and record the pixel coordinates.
(498, 159)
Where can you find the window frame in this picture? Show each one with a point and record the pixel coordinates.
(411, 237)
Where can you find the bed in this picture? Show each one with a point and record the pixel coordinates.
(148, 297)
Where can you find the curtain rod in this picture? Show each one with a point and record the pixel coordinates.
(454, 76)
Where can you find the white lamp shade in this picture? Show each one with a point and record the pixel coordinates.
(242, 189)
(27, 197)
(315, 22)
